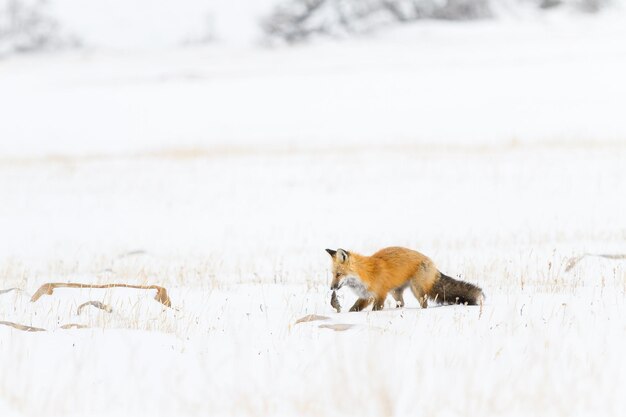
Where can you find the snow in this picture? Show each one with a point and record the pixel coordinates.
(498, 83)
(155, 24)
(223, 171)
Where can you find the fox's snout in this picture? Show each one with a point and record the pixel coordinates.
(336, 284)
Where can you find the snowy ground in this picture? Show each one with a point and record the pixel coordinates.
(221, 174)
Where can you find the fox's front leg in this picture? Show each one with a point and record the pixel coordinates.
(360, 304)
(379, 302)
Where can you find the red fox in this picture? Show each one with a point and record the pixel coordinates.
(393, 270)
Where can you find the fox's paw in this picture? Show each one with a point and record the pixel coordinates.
(360, 304)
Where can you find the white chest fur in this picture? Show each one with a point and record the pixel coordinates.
(357, 286)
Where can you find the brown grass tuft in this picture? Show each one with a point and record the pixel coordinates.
(22, 327)
(47, 289)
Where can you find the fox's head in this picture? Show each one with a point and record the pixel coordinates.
(341, 267)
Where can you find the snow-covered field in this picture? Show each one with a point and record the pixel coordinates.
(223, 172)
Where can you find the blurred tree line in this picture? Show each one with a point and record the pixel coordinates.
(28, 25)
(297, 20)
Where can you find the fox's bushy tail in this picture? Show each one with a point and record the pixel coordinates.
(448, 290)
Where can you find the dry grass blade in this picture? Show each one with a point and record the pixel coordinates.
(132, 253)
(340, 327)
(96, 304)
(9, 290)
(612, 256)
(47, 289)
(334, 302)
(22, 327)
(571, 262)
(74, 326)
(311, 317)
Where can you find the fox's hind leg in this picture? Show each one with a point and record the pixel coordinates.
(419, 293)
(360, 304)
(397, 295)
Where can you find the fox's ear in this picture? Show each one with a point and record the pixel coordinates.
(342, 255)
(331, 252)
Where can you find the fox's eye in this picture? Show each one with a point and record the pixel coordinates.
(337, 275)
